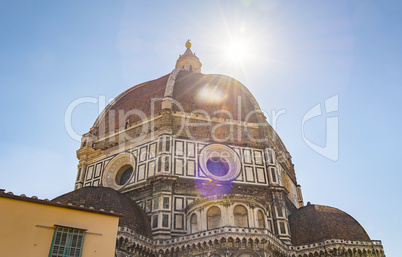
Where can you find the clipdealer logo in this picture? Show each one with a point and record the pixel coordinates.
(331, 148)
(329, 108)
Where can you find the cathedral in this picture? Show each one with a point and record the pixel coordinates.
(195, 169)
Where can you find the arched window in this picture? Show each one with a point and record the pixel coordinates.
(240, 216)
(213, 217)
(193, 224)
(261, 221)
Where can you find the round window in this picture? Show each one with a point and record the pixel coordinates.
(124, 174)
(219, 162)
(218, 166)
(119, 171)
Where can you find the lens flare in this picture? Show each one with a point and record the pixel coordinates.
(211, 94)
(212, 188)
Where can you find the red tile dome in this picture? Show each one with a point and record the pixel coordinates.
(191, 91)
(136, 98)
(219, 96)
(109, 199)
(316, 223)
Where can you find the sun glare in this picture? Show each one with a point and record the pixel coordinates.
(210, 94)
(236, 52)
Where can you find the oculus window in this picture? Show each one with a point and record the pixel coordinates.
(218, 166)
(124, 174)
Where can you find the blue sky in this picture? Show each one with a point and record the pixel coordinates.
(298, 54)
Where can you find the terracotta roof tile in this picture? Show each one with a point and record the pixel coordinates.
(316, 223)
(210, 93)
(109, 199)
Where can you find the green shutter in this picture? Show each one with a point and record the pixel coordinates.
(67, 242)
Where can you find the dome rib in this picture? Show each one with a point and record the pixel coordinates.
(171, 81)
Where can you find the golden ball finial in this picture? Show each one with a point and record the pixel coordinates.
(188, 44)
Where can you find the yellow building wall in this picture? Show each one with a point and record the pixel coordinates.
(20, 235)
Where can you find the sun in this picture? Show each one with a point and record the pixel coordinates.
(237, 52)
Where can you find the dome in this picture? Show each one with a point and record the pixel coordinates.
(109, 199)
(196, 91)
(316, 223)
(136, 98)
(225, 108)
(190, 91)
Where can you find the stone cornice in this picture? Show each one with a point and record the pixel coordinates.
(263, 235)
